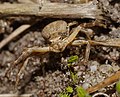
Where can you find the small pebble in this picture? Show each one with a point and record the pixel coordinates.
(85, 85)
(93, 68)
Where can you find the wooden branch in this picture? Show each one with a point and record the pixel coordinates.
(15, 95)
(52, 10)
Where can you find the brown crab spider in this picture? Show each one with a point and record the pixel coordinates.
(58, 36)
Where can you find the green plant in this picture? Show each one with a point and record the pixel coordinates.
(74, 77)
(64, 95)
(81, 92)
(69, 89)
(73, 59)
(67, 93)
(118, 88)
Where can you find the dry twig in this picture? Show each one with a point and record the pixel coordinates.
(13, 35)
(112, 79)
(53, 10)
(16, 95)
(105, 82)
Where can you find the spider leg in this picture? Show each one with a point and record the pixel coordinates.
(87, 53)
(88, 33)
(69, 25)
(69, 39)
(22, 68)
(83, 42)
(26, 54)
(72, 37)
(110, 42)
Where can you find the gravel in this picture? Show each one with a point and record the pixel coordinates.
(48, 75)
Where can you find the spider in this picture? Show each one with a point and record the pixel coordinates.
(59, 36)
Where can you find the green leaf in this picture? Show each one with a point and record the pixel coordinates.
(118, 87)
(69, 65)
(74, 77)
(69, 89)
(81, 92)
(73, 59)
(64, 95)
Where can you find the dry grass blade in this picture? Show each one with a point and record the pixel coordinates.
(115, 77)
(105, 82)
(13, 35)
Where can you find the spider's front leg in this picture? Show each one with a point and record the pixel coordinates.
(66, 41)
(26, 54)
(70, 39)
